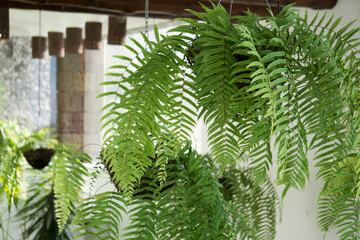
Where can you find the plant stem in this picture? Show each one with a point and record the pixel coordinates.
(7, 234)
(1, 224)
(8, 223)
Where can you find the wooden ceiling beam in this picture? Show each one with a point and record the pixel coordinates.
(158, 8)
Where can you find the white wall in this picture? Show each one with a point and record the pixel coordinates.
(26, 22)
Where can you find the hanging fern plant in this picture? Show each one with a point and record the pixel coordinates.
(282, 77)
(191, 204)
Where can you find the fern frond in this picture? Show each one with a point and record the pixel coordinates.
(213, 82)
(39, 213)
(69, 178)
(141, 115)
(172, 210)
(267, 77)
(100, 216)
(338, 206)
(195, 192)
(259, 204)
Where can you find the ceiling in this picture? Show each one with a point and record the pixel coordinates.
(158, 8)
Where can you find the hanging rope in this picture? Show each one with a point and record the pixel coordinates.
(147, 18)
(267, 2)
(231, 5)
(146, 21)
(39, 97)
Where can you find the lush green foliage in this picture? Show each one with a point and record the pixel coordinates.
(259, 204)
(38, 213)
(101, 216)
(281, 77)
(14, 140)
(189, 205)
(50, 203)
(69, 173)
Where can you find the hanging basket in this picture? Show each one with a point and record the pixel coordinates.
(227, 187)
(140, 189)
(39, 158)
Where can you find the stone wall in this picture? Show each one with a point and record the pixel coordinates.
(70, 99)
(20, 83)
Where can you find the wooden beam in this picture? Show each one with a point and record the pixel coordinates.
(158, 8)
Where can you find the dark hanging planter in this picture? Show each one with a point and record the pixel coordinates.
(227, 187)
(39, 158)
(191, 53)
(141, 189)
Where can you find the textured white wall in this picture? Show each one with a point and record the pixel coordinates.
(20, 83)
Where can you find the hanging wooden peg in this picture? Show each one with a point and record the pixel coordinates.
(56, 44)
(74, 42)
(93, 37)
(117, 30)
(38, 47)
(4, 24)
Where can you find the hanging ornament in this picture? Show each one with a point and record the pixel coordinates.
(39, 158)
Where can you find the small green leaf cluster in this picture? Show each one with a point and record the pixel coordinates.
(259, 204)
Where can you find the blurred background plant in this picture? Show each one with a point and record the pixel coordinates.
(27, 189)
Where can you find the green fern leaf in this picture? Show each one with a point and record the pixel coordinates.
(69, 175)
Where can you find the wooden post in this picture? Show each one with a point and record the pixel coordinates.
(38, 47)
(74, 42)
(4, 24)
(56, 44)
(117, 30)
(93, 37)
